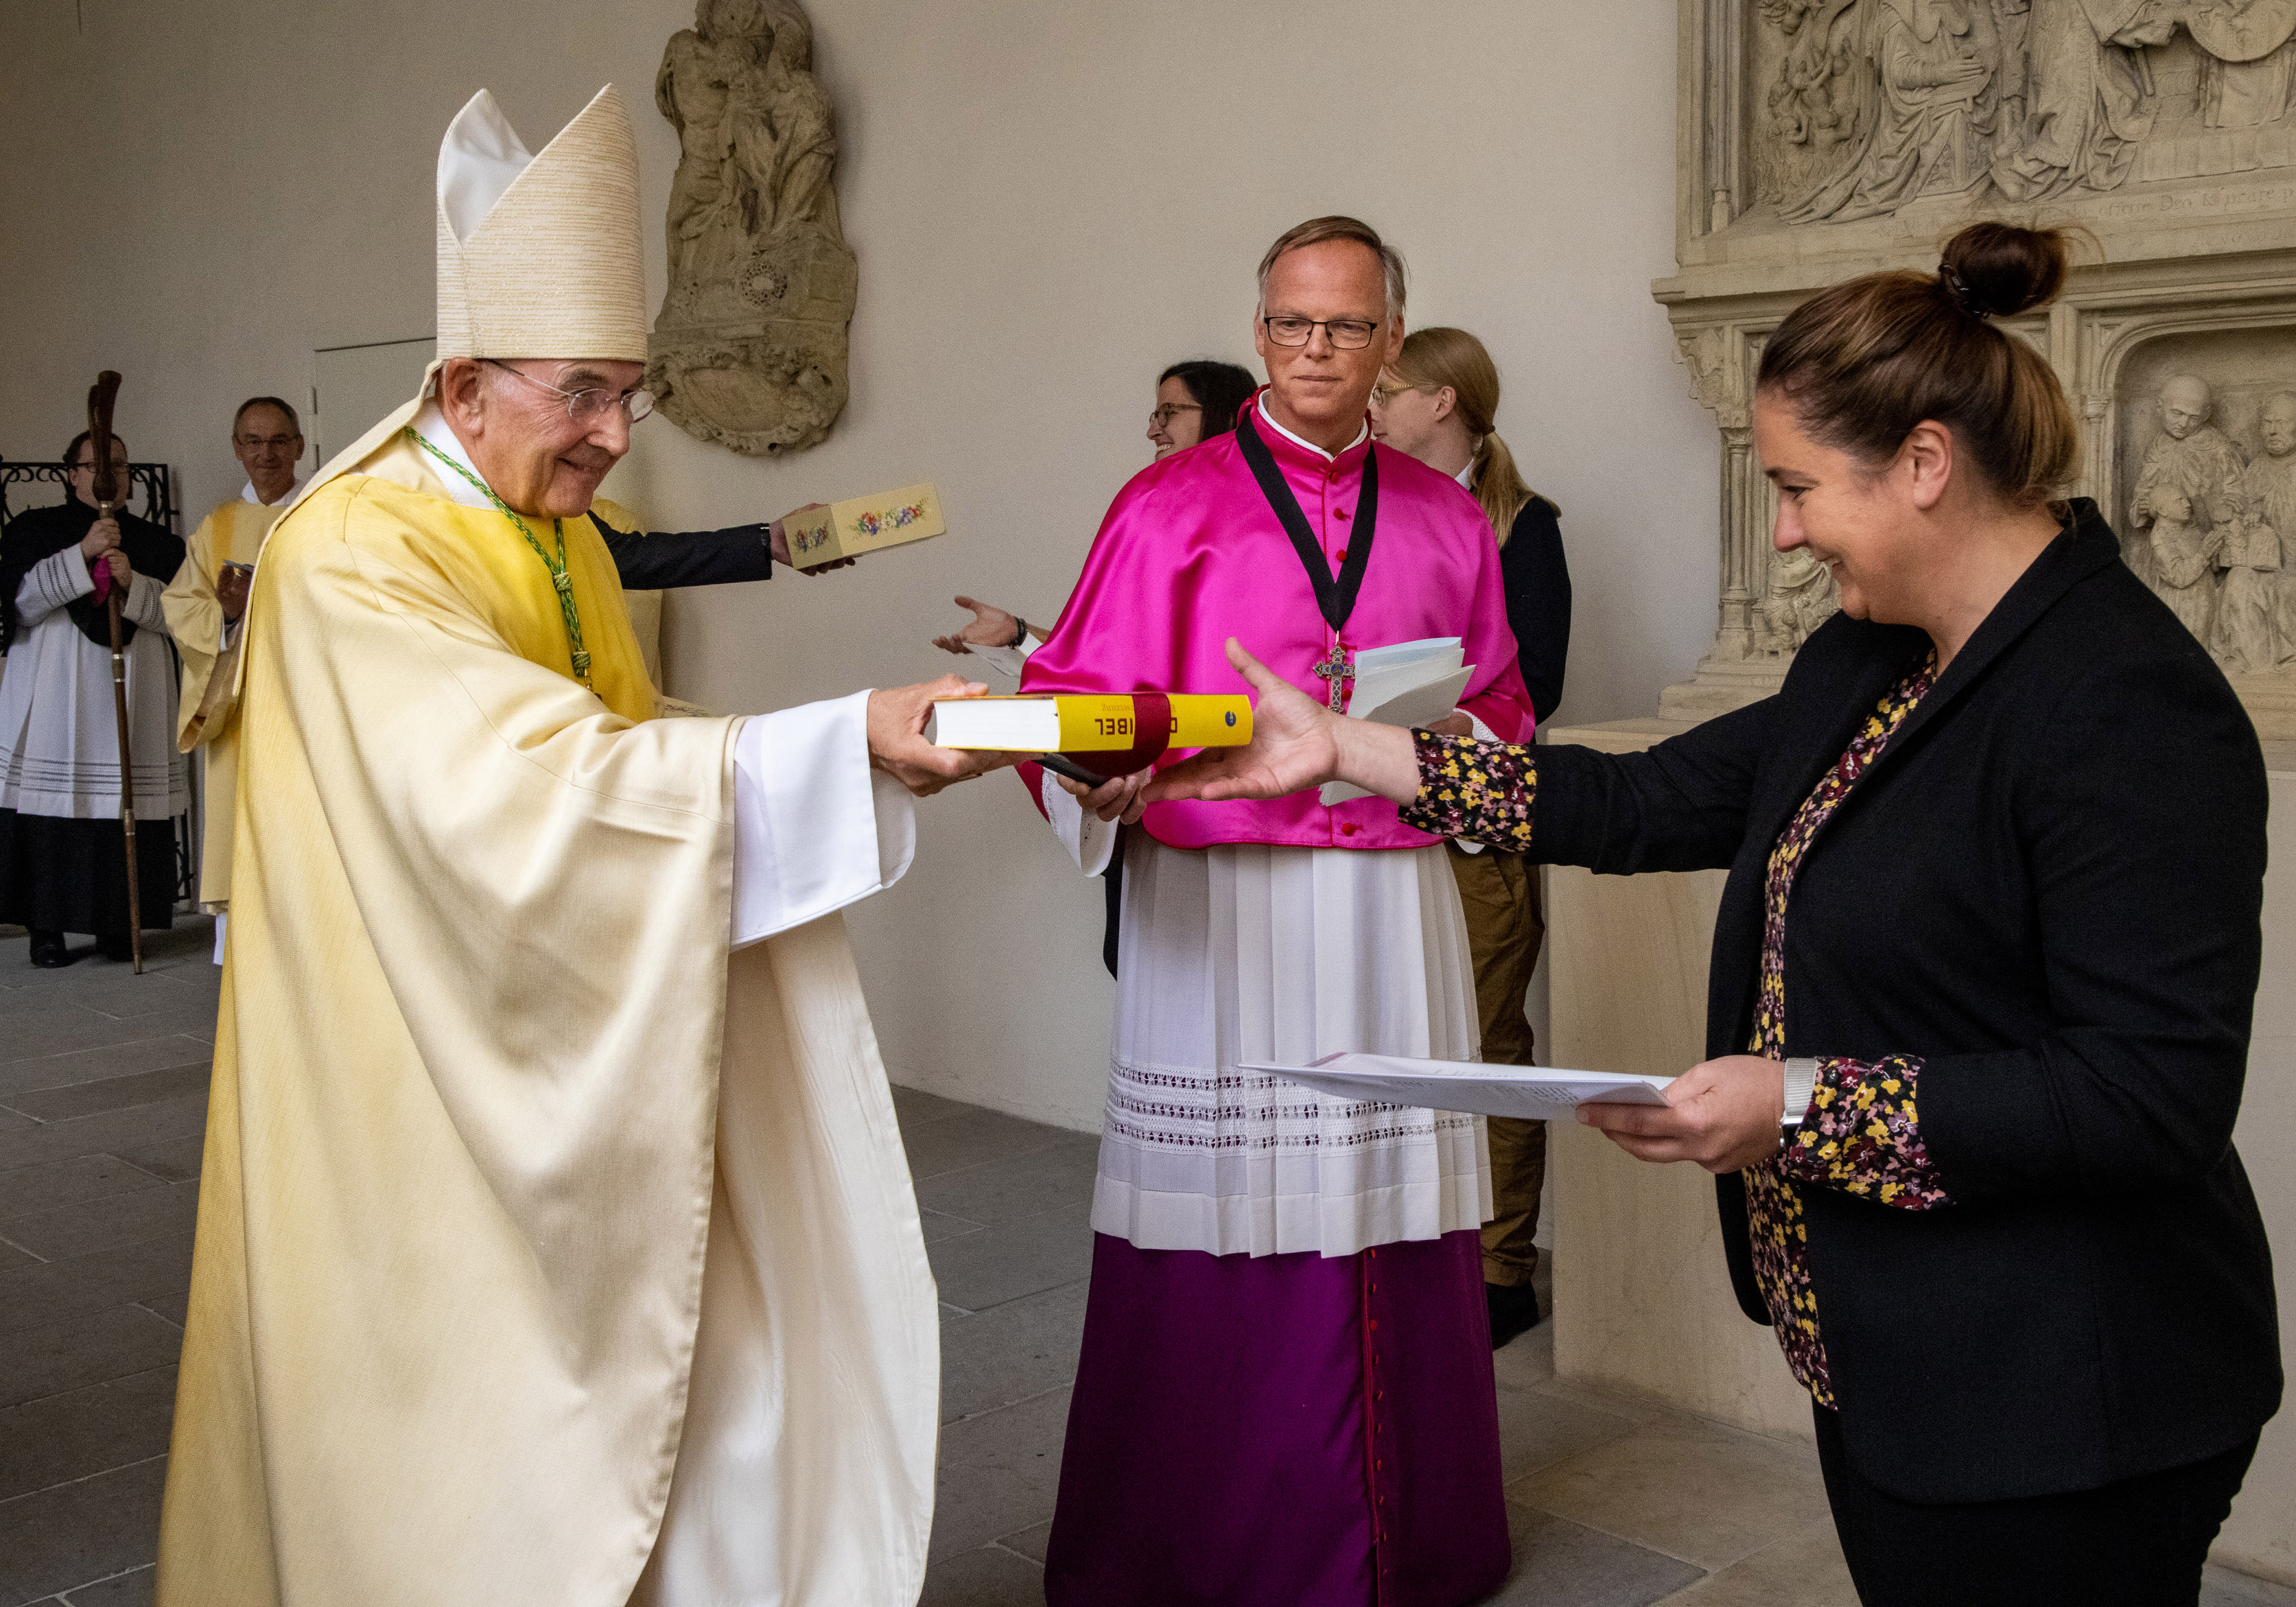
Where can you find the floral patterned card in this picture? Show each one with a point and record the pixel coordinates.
(862, 524)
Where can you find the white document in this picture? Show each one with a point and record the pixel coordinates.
(1450, 1085)
(1408, 684)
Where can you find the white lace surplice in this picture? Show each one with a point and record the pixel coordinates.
(1248, 952)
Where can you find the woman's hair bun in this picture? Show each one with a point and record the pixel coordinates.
(1998, 270)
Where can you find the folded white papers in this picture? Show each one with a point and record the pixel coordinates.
(1405, 683)
(1450, 1085)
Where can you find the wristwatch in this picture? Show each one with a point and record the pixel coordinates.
(1802, 1084)
(1020, 631)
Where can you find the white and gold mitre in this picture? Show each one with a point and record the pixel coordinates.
(538, 255)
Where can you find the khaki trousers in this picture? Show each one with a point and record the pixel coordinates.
(1504, 929)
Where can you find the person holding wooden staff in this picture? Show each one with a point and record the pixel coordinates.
(1983, 970)
(62, 868)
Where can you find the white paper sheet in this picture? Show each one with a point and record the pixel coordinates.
(1414, 703)
(1448, 1085)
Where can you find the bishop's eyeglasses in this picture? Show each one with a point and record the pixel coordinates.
(584, 406)
(1348, 334)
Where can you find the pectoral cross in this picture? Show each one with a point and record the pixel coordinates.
(1337, 672)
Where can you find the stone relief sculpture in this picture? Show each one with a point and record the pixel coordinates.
(2188, 496)
(750, 348)
(1885, 102)
(2269, 488)
(1802, 596)
(1826, 138)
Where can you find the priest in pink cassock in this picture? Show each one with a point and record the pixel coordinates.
(555, 1247)
(1285, 1393)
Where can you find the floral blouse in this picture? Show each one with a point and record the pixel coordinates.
(1861, 1132)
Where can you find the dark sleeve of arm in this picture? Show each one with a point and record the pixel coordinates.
(666, 560)
(1678, 806)
(2143, 815)
(1539, 602)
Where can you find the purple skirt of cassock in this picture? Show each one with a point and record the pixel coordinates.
(1282, 1432)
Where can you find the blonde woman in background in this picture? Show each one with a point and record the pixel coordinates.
(1437, 402)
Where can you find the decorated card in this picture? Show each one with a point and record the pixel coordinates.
(862, 524)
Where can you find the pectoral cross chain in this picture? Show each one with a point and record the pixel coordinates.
(1337, 672)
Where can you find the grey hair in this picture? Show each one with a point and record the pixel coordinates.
(1315, 230)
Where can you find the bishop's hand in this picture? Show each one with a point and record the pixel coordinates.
(896, 737)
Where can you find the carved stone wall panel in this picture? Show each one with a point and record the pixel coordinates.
(750, 348)
(1825, 138)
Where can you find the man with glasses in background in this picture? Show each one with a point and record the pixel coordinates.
(203, 604)
(1285, 1391)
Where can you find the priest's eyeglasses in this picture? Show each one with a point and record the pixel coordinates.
(1348, 334)
(582, 406)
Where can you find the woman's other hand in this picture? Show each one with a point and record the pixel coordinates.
(1723, 1114)
(991, 626)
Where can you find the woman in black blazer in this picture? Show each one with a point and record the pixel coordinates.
(1985, 958)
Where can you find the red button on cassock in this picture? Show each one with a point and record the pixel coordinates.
(1343, 554)
(1348, 830)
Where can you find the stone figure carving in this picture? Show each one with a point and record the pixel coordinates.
(1801, 597)
(2251, 64)
(2189, 497)
(1896, 99)
(1928, 129)
(749, 348)
(2269, 490)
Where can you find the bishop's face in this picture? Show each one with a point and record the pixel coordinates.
(542, 456)
(1319, 390)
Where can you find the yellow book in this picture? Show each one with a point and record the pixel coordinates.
(862, 524)
(1094, 728)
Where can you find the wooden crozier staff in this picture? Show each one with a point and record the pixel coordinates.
(110, 496)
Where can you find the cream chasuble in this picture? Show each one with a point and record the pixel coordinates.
(543, 1242)
(232, 534)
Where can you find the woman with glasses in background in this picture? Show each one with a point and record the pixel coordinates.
(1437, 402)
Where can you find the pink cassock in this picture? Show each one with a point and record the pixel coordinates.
(1191, 555)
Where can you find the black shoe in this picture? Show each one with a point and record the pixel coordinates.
(48, 950)
(1514, 1310)
(117, 946)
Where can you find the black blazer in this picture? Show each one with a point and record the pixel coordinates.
(2049, 887)
(687, 558)
(1538, 584)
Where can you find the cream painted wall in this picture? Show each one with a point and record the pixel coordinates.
(1050, 200)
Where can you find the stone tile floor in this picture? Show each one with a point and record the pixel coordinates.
(102, 1099)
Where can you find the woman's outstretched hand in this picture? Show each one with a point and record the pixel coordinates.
(1296, 742)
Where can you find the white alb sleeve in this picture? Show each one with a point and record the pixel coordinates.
(815, 828)
(1089, 839)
